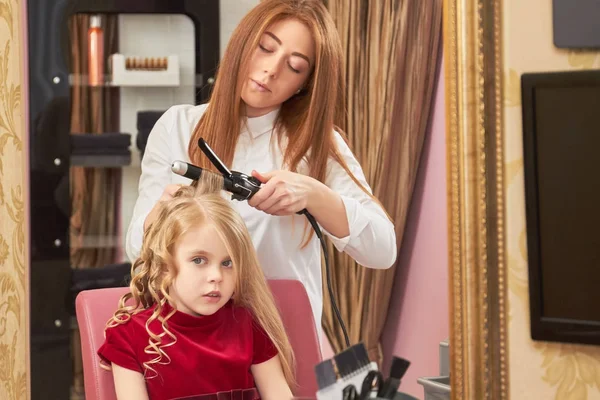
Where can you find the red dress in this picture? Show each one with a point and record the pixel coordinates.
(212, 353)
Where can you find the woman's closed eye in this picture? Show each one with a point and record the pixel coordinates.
(268, 50)
(294, 69)
(263, 48)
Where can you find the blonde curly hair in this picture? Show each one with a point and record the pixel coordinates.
(153, 272)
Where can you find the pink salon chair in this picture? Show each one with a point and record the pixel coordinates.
(95, 307)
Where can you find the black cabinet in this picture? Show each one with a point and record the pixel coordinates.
(52, 321)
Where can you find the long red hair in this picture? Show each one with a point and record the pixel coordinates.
(308, 120)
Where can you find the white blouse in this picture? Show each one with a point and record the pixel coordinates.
(371, 242)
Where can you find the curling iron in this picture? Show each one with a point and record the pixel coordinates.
(243, 187)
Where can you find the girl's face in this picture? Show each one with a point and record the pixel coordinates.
(279, 67)
(205, 278)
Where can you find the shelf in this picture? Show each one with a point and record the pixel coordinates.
(100, 161)
(103, 150)
(40, 342)
(101, 242)
(122, 76)
(82, 80)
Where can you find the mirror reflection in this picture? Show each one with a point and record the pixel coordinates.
(115, 69)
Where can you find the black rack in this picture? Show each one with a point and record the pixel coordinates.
(51, 157)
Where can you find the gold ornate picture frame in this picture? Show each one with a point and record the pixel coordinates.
(478, 284)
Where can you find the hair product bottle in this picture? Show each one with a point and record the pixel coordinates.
(95, 52)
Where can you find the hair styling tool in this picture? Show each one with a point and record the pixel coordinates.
(350, 393)
(326, 376)
(243, 187)
(339, 377)
(371, 385)
(350, 367)
(397, 371)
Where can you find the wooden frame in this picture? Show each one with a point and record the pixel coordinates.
(478, 295)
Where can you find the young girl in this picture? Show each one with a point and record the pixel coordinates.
(202, 319)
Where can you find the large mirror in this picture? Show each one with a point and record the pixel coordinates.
(86, 125)
(462, 268)
(101, 74)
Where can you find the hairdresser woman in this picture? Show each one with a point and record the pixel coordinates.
(272, 112)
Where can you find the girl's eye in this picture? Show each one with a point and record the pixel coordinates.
(227, 264)
(198, 260)
(263, 48)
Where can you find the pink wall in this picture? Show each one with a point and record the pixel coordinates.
(418, 315)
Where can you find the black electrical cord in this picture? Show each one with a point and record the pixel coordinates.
(336, 311)
(243, 187)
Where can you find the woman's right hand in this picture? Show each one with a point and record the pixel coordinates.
(167, 194)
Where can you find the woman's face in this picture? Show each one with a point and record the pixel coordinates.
(279, 67)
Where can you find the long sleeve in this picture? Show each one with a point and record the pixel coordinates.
(156, 175)
(372, 238)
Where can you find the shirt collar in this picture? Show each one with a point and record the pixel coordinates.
(182, 319)
(258, 126)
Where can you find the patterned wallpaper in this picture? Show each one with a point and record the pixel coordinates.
(13, 196)
(538, 370)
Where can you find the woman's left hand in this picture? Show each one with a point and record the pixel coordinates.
(282, 192)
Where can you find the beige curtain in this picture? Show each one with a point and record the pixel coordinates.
(392, 49)
(94, 191)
